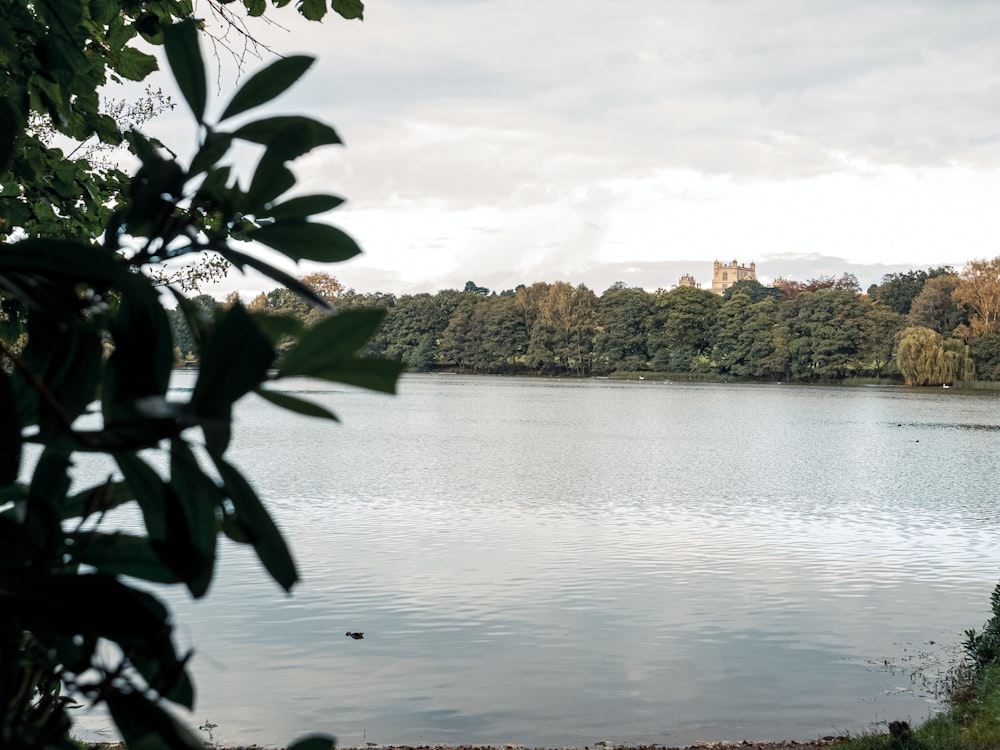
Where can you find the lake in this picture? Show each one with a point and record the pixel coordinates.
(560, 562)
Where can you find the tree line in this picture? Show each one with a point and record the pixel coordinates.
(923, 327)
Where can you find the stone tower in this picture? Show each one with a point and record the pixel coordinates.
(688, 280)
(725, 275)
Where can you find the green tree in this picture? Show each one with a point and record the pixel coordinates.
(561, 332)
(67, 581)
(752, 289)
(897, 291)
(985, 352)
(680, 327)
(459, 343)
(414, 326)
(827, 334)
(203, 306)
(925, 357)
(502, 338)
(880, 334)
(621, 318)
(763, 341)
(935, 307)
(729, 351)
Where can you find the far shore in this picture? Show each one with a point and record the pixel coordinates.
(723, 745)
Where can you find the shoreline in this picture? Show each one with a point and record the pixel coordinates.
(829, 741)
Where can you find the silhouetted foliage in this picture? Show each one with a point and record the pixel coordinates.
(89, 368)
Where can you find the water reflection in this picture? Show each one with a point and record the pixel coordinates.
(550, 562)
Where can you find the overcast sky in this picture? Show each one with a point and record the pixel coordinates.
(517, 141)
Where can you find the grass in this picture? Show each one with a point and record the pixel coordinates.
(971, 723)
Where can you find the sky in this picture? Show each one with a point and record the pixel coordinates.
(593, 142)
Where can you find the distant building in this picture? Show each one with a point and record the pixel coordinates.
(724, 275)
(688, 280)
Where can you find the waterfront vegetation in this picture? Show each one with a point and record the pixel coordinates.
(923, 327)
(85, 354)
(972, 718)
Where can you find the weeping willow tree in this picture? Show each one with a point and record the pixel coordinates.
(925, 357)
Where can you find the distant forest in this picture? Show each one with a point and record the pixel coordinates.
(923, 327)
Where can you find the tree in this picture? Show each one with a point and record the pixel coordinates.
(985, 351)
(827, 334)
(66, 580)
(879, 336)
(414, 325)
(936, 308)
(459, 341)
(979, 291)
(325, 285)
(500, 332)
(561, 334)
(621, 318)
(470, 286)
(897, 291)
(727, 353)
(925, 357)
(205, 307)
(680, 327)
(752, 289)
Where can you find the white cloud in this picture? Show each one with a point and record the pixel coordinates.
(520, 141)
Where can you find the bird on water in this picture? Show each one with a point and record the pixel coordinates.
(355, 636)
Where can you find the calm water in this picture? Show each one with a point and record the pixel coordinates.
(563, 562)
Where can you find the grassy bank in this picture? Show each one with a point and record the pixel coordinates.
(972, 721)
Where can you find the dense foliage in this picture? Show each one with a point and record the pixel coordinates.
(86, 349)
(819, 330)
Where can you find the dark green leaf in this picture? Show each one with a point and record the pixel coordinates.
(304, 240)
(49, 485)
(122, 554)
(10, 433)
(289, 136)
(13, 493)
(268, 83)
(146, 726)
(60, 258)
(234, 361)
(180, 41)
(92, 603)
(349, 9)
(331, 341)
(180, 550)
(96, 499)
(302, 207)
(198, 497)
(314, 10)
(140, 365)
(257, 525)
(314, 742)
(215, 147)
(373, 374)
(10, 127)
(270, 179)
(134, 64)
(277, 327)
(297, 405)
(68, 359)
(148, 489)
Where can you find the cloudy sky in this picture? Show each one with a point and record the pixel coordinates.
(517, 141)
